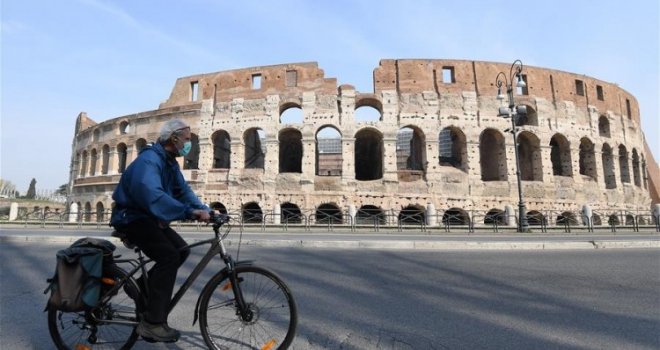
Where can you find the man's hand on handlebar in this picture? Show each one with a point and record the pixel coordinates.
(201, 215)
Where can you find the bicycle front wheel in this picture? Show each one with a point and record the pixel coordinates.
(272, 319)
(108, 326)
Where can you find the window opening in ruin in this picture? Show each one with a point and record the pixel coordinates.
(255, 148)
(623, 164)
(329, 158)
(528, 118)
(251, 213)
(194, 90)
(140, 144)
(448, 75)
(121, 153)
(608, 166)
(367, 114)
(455, 216)
(599, 93)
(529, 150)
(221, 150)
(370, 215)
(535, 218)
(523, 90)
(291, 151)
(635, 165)
(579, 87)
(495, 216)
(219, 207)
(291, 115)
(645, 174)
(328, 213)
(410, 154)
(256, 81)
(88, 212)
(78, 163)
(453, 148)
(291, 78)
(492, 155)
(92, 165)
(628, 109)
(106, 160)
(100, 212)
(567, 218)
(96, 135)
(587, 158)
(124, 127)
(412, 215)
(613, 219)
(603, 126)
(560, 156)
(191, 160)
(368, 155)
(290, 214)
(595, 220)
(83, 167)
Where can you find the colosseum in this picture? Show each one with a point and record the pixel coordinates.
(285, 144)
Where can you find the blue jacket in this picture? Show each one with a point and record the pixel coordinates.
(153, 186)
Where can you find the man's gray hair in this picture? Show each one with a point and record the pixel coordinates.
(170, 128)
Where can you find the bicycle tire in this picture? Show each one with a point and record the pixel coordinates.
(73, 330)
(271, 301)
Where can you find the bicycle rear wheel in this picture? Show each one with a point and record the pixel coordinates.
(94, 329)
(273, 320)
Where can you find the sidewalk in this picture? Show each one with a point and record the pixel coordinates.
(369, 240)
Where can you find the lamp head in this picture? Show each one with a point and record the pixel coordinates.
(500, 96)
(521, 82)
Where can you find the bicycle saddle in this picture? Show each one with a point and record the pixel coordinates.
(124, 239)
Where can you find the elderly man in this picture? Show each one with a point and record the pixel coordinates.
(151, 193)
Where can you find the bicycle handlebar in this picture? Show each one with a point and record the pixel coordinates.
(218, 219)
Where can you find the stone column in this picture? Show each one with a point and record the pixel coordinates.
(352, 211)
(309, 158)
(587, 214)
(277, 214)
(431, 213)
(390, 171)
(13, 211)
(113, 162)
(73, 212)
(348, 159)
(509, 216)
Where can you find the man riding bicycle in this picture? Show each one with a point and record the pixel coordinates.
(152, 193)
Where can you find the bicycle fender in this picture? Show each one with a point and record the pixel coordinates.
(215, 279)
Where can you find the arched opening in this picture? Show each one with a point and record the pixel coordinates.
(455, 216)
(121, 154)
(453, 148)
(635, 168)
(535, 218)
(560, 156)
(328, 213)
(595, 220)
(291, 114)
(124, 127)
(291, 151)
(608, 167)
(251, 213)
(567, 218)
(329, 157)
(83, 167)
(92, 163)
(367, 113)
(492, 155)
(369, 215)
(106, 160)
(191, 160)
(88, 212)
(140, 144)
(530, 118)
(623, 164)
(100, 212)
(630, 220)
(587, 158)
(410, 149)
(529, 151)
(613, 220)
(255, 150)
(219, 207)
(495, 216)
(221, 150)
(412, 215)
(603, 126)
(368, 155)
(290, 213)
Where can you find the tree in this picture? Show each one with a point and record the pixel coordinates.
(62, 190)
(7, 188)
(32, 191)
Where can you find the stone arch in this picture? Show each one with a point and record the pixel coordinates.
(635, 168)
(328, 213)
(413, 215)
(88, 212)
(219, 207)
(124, 127)
(122, 152)
(603, 126)
(83, 166)
(567, 218)
(608, 166)
(93, 157)
(368, 154)
(411, 151)
(291, 151)
(613, 220)
(105, 164)
(587, 158)
(535, 218)
(290, 213)
(291, 113)
(191, 160)
(455, 216)
(530, 118)
(368, 109)
(329, 157)
(100, 212)
(251, 213)
(370, 214)
(453, 148)
(560, 155)
(255, 152)
(492, 154)
(595, 220)
(529, 151)
(623, 164)
(495, 216)
(221, 149)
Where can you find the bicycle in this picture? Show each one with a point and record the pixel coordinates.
(243, 306)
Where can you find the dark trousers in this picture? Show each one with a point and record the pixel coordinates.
(163, 245)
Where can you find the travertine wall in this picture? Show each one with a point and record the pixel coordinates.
(413, 94)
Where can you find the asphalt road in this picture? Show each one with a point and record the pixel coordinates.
(405, 299)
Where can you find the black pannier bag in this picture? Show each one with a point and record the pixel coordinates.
(76, 285)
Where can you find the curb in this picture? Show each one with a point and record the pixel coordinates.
(385, 244)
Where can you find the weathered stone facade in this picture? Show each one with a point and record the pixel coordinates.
(581, 142)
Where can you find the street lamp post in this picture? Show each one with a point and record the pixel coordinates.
(514, 112)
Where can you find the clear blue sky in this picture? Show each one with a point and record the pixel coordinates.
(112, 58)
